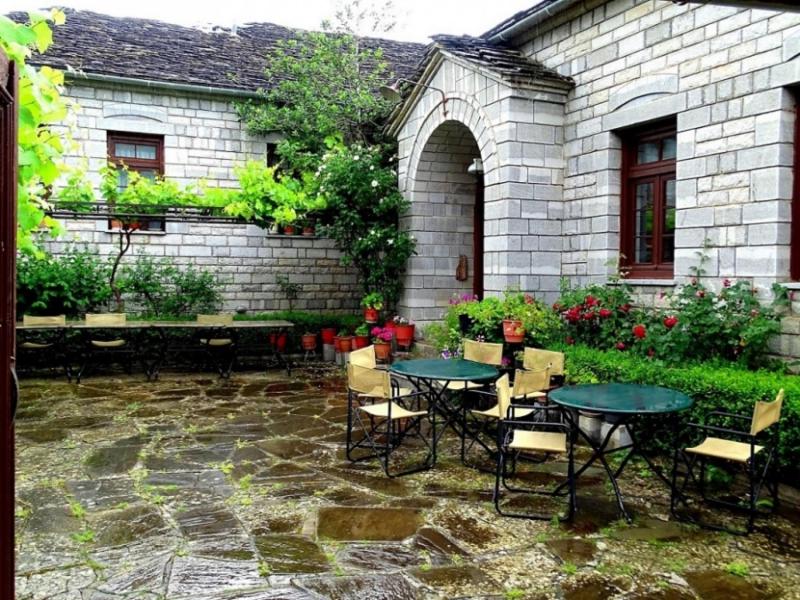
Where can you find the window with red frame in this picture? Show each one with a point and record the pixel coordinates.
(143, 154)
(648, 201)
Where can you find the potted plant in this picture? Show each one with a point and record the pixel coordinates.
(382, 341)
(308, 229)
(289, 229)
(309, 341)
(345, 341)
(328, 335)
(404, 331)
(278, 340)
(361, 339)
(372, 303)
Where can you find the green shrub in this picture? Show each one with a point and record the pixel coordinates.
(712, 386)
(72, 283)
(162, 289)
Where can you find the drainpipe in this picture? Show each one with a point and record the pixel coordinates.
(540, 15)
(206, 90)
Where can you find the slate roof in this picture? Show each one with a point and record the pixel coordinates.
(518, 17)
(148, 49)
(505, 61)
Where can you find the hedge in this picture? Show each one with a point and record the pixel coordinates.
(713, 387)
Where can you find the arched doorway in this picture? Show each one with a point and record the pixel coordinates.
(447, 219)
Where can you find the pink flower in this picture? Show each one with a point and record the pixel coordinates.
(700, 294)
(726, 283)
(620, 345)
(376, 331)
(639, 331)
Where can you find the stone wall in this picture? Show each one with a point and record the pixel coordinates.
(244, 259)
(203, 139)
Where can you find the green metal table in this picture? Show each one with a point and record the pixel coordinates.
(425, 374)
(619, 403)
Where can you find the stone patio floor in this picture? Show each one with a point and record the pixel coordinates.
(194, 487)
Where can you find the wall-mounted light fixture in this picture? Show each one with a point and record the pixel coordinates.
(476, 167)
(392, 92)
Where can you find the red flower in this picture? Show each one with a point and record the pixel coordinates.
(726, 283)
(590, 301)
(670, 321)
(589, 316)
(605, 313)
(573, 315)
(570, 340)
(620, 345)
(639, 331)
(700, 294)
(557, 307)
(651, 353)
(528, 299)
(625, 307)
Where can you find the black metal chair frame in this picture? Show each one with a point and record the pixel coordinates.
(392, 435)
(90, 352)
(766, 476)
(222, 357)
(53, 352)
(505, 430)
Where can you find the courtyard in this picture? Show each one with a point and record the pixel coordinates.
(204, 488)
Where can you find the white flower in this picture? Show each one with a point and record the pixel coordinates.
(374, 183)
(372, 167)
(356, 157)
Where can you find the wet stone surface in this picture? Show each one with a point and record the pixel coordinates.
(195, 488)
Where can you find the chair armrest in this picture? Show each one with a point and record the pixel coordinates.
(728, 415)
(725, 430)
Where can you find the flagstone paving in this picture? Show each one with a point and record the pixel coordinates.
(193, 487)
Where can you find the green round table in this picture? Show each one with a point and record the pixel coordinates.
(619, 403)
(424, 374)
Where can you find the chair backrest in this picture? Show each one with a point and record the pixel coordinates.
(369, 381)
(527, 382)
(483, 352)
(220, 319)
(766, 414)
(49, 320)
(106, 319)
(536, 359)
(503, 395)
(364, 357)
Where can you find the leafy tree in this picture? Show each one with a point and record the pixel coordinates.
(40, 106)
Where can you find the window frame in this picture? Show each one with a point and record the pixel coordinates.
(137, 164)
(794, 228)
(659, 172)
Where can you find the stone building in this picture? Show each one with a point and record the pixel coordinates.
(161, 98)
(583, 132)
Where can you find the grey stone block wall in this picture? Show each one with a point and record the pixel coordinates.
(243, 258)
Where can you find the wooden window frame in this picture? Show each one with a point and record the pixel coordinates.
(137, 164)
(659, 172)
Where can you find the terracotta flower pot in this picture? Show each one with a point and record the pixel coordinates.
(309, 231)
(328, 333)
(404, 335)
(360, 341)
(371, 315)
(281, 341)
(513, 331)
(288, 230)
(383, 351)
(309, 341)
(345, 343)
(390, 324)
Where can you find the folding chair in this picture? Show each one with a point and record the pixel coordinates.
(536, 359)
(481, 425)
(742, 451)
(518, 434)
(364, 357)
(107, 340)
(221, 351)
(387, 415)
(43, 347)
(482, 352)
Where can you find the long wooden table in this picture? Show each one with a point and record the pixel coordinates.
(153, 359)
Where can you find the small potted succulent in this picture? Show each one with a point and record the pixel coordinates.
(382, 341)
(361, 338)
(372, 303)
(404, 331)
(345, 341)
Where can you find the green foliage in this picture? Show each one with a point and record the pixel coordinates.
(364, 208)
(320, 85)
(738, 568)
(712, 386)
(72, 283)
(40, 106)
(162, 289)
(373, 300)
(290, 290)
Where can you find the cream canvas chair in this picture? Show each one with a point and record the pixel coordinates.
(364, 357)
(386, 414)
(743, 450)
(536, 359)
(106, 340)
(520, 434)
(43, 347)
(482, 352)
(221, 350)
